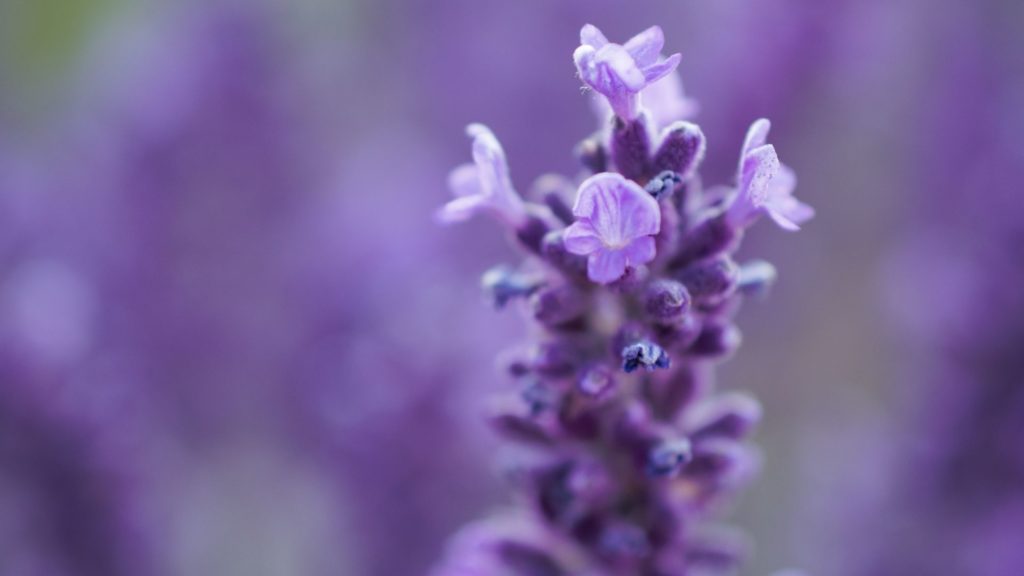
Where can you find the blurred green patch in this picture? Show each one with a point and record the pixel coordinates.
(40, 42)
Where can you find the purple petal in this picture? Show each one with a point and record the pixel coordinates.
(646, 46)
(640, 214)
(461, 209)
(781, 206)
(492, 168)
(489, 157)
(596, 185)
(617, 71)
(590, 35)
(583, 57)
(757, 136)
(789, 213)
(464, 180)
(606, 266)
(640, 251)
(659, 70)
(784, 182)
(581, 238)
(618, 209)
(759, 167)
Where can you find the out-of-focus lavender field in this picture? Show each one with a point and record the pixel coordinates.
(233, 340)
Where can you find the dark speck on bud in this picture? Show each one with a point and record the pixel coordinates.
(644, 354)
(502, 284)
(757, 277)
(666, 299)
(667, 458)
(664, 184)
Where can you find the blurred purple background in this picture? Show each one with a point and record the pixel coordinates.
(233, 341)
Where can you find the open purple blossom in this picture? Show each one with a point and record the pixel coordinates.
(634, 455)
(619, 72)
(483, 185)
(615, 226)
(765, 185)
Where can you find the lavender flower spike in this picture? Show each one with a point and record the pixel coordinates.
(615, 226)
(765, 185)
(631, 448)
(620, 72)
(484, 185)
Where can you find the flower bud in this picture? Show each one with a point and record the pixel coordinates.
(710, 279)
(732, 415)
(532, 231)
(668, 394)
(682, 149)
(716, 341)
(714, 460)
(711, 236)
(502, 283)
(631, 148)
(666, 300)
(556, 191)
(592, 155)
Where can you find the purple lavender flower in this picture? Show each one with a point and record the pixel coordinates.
(484, 185)
(617, 221)
(620, 72)
(633, 449)
(765, 185)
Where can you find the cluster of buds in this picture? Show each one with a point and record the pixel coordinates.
(627, 452)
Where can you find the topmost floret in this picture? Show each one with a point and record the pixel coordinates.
(620, 71)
